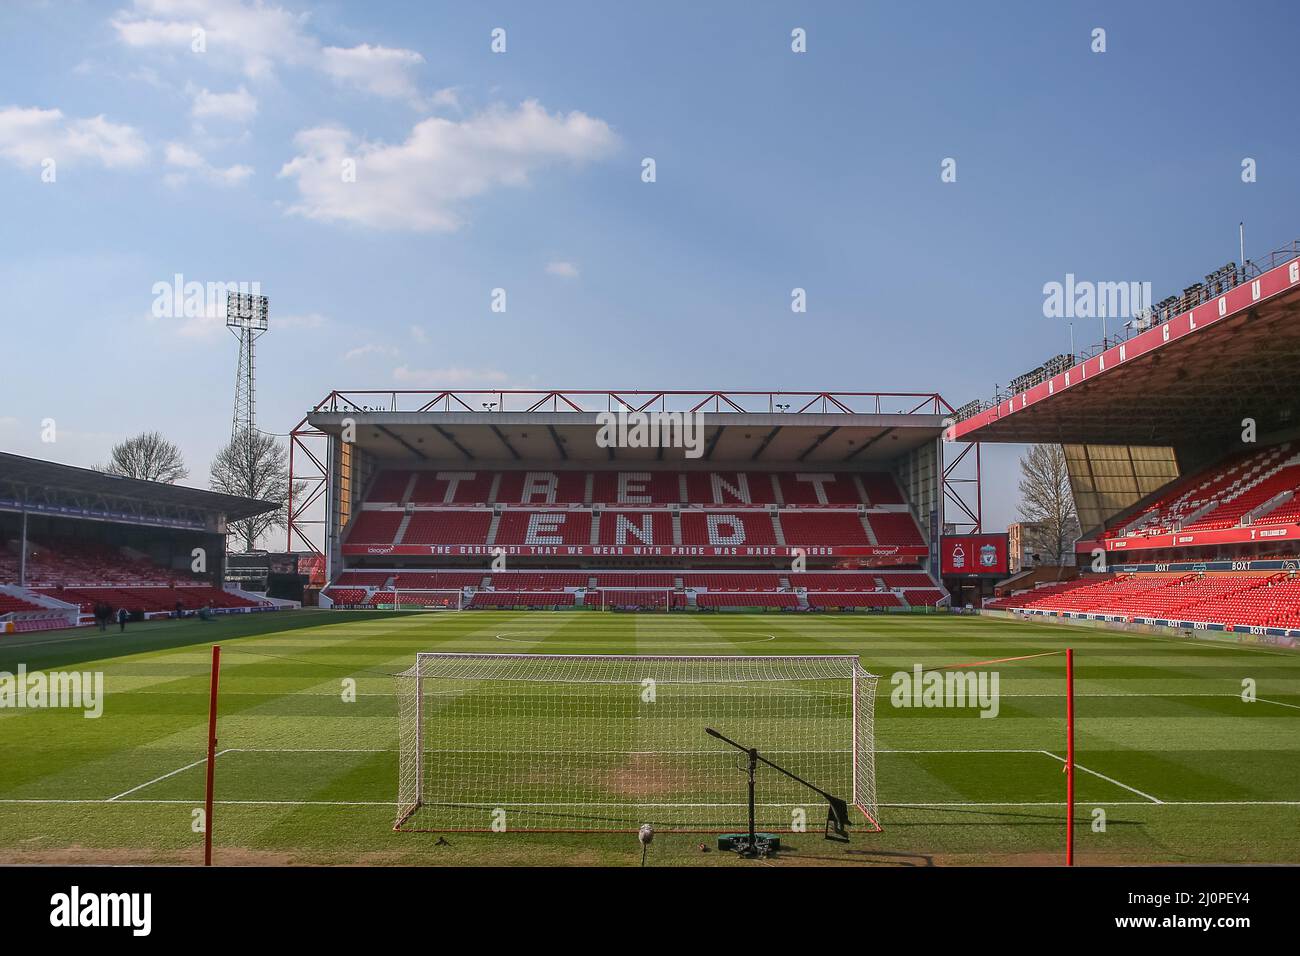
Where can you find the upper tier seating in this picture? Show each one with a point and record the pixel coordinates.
(374, 527)
(362, 579)
(542, 487)
(1237, 504)
(722, 488)
(895, 528)
(810, 529)
(541, 528)
(727, 529)
(1223, 495)
(447, 527)
(635, 487)
(633, 528)
(728, 488)
(819, 488)
(451, 487)
(389, 486)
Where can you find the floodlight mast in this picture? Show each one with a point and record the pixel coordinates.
(837, 809)
(247, 318)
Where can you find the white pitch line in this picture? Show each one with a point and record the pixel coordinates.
(386, 803)
(163, 777)
(1106, 778)
(1278, 702)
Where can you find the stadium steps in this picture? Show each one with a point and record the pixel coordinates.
(778, 496)
(495, 487)
(589, 489)
(1260, 473)
(595, 526)
(401, 528)
(410, 488)
(862, 489)
(1277, 501)
(777, 530)
(677, 521)
(491, 537)
(866, 526)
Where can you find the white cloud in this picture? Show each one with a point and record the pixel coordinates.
(257, 38)
(435, 377)
(381, 70)
(187, 163)
(253, 38)
(419, 184)
(370, 348)
(565, 270)
(30, 135)
(237, 107)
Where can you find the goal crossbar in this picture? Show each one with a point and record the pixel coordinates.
(606, 742)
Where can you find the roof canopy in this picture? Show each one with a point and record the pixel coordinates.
(30, 476)
(756, 428)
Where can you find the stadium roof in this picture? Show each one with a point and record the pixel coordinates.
(1234, 356)
(32, 473)
(759, 427)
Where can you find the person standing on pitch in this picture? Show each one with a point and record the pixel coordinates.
(122, 616)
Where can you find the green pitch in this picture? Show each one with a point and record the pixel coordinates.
(1174, 766)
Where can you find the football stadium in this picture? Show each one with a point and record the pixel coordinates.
(958, 617)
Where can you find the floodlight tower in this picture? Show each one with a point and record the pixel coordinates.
(246, 317)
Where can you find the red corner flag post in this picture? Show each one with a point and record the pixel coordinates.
(1069, 756)
(212, 753)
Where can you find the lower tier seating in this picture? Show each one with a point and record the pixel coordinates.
(1234, 599)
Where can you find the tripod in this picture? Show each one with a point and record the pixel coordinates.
(837, 813)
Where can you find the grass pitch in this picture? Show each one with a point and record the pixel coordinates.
(1174, 766)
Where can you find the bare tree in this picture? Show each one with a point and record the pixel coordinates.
(1047, 503)
(148, 456)
(254, 465)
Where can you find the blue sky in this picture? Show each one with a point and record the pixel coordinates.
(521, 170)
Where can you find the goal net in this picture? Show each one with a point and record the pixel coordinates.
(595, 743)
(637, 599)
(421, 599)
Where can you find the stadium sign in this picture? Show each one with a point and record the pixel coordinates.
(973, 554)
(638, 550)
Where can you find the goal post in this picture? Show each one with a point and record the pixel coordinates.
(654, 599)
(424, 599)
(606, 743)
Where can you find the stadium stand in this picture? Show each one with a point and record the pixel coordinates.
(1253, 487)
(1232, 599)
(480, 510)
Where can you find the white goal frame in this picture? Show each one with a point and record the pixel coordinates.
(522, 740)
(667, 595)
(417, 593)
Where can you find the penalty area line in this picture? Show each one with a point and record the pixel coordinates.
(1102, 776)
